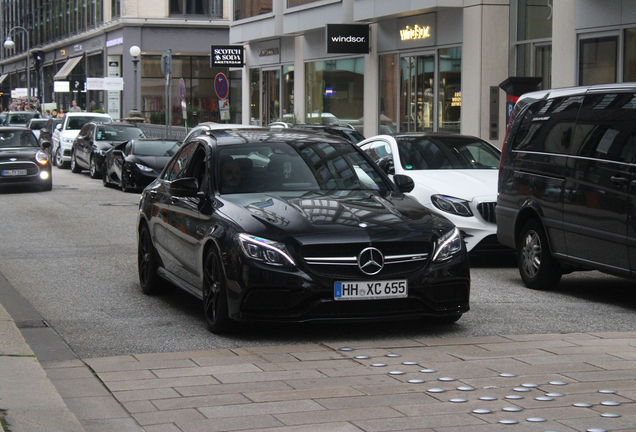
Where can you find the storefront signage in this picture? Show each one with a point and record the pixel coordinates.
(347, 39)
(107, 83)
(457, 99)
(61, 86)
(416, 32)
(116, 41)
(77, 48)
(268, 52)
(227, 56)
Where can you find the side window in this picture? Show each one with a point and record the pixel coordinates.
(196, 167)
(548, 125)
(179, 162)
(128, 149)
(85, 130)
(377, 150)
(606, 128)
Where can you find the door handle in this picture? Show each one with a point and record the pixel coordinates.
(153, 193)
(174, 200)
(619, 180)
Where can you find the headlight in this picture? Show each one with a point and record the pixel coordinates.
(452, 205)
(263, 250)
(448, 245)
(42, 158)
(144, 167)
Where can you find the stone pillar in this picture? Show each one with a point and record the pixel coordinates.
(299, 79)
(371, 109)
(564, 44)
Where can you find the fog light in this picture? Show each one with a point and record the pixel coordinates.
(44, 175)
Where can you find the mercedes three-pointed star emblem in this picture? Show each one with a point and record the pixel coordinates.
(370, 261)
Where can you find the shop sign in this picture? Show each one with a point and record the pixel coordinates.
(416, 32)
(268, 52)
(227, 56)
(77, 48)
(348, 39)
(116, 41)
(106, 83)
(61, 86)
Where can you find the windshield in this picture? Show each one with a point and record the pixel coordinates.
(156, 148)
(37, 124)
(77, 122)
(23, 138)
(309, 166)
(19, 118)
(118, 133)
(446, 153)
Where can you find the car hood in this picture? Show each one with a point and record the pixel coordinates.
(351, 215)
(465, 184)
(20, 153)
(155, 162)
(69, 133)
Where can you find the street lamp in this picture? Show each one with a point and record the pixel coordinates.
(135, 51)
(9, 44)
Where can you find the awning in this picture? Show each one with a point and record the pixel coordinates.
(67, 68)
(3, 77)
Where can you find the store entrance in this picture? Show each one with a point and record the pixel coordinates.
(417, 94)
(270, 86)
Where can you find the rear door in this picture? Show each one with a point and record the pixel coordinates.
(599, 189)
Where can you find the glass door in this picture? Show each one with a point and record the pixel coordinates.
(270, 86)
(417, 94)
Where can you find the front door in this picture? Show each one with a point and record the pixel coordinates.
(417, 93)
(270, 86)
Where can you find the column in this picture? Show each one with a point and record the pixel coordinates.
(300, 108)
(371, 109)
(564, 44)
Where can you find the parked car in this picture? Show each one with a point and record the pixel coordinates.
(202, 128)
(453, 174)
(134, 164)
(36, 124)
(19, 118)
(94, 140)
(66, 132)
(566, 183)
(46, 134)
(317, 233)
(22, 161)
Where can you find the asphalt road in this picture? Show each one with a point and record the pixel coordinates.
(71, 253)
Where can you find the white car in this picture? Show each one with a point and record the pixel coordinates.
(65, 134)
(455, 175)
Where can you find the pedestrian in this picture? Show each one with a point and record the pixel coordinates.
(47, 114)
(74, 107)
(61, 114)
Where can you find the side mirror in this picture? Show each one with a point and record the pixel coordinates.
(404, 183)
(45, 145)
(386, 165)
(58, 127)
(184, 187)
(118, 153)
(43, 130)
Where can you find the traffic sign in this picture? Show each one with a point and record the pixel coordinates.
(221, 86)
(182, 89)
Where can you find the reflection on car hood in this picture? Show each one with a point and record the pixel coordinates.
(20, 153)
(154, 162)
(350, 214)
(465, 184)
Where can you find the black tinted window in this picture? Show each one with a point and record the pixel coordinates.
(548, 125)
(23, 138)
(447, 153)
(179, 162)
(606, 128)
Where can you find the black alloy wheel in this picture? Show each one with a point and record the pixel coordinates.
(538, 269)
(74, 167)
(94, 172)
(147, 264)
(215, 294)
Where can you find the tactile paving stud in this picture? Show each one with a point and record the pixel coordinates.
(378, 364)
(582, 405)
(530, 385)
(458, 400)
(596, 430)
(465, 388)
(607, 391)
(362, 357)
(610, 415)
(514, 397)
(508, 422)
(521, 389)
(428, 370)
(558, 383)
(396, 373)
(554, 394)
(507, 375)
(346, 349)
(436, 390)
(482, 411)
(416, 381)
(536, 419)
(394, 355)
(610, 403)
(409, 363)
(488, 398)
(512, 409)
(446, 379)
(544, 398)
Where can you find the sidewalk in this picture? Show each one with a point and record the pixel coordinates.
(496, 383)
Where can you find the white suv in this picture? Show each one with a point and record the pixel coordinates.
(65, 134)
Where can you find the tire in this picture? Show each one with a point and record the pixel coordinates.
(93, 171)
(59, 162)
(538, 269)
(74, 167)
(124, 185)
(147, 264)
(105, 180)
(215, 307)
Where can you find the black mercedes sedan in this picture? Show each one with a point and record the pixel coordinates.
(134, 164)
(22, 161)
(294, 226)
(94, 140)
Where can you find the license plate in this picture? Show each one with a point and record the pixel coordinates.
(370, 290)
(8, 173)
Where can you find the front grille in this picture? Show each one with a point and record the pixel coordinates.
(341, 260)
(487, 211)
(359, 309)
(31, 168)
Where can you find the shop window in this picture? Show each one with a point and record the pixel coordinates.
(335, 91)
(534, 47)
(287, 102)
(251, 8)
(534, 19)
(255, 92)
(294, 3)
(388, 93)
(196, 7)
(629, 73)
(597, 60)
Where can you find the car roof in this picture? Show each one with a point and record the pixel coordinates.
(251, 136)
(14, 128)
